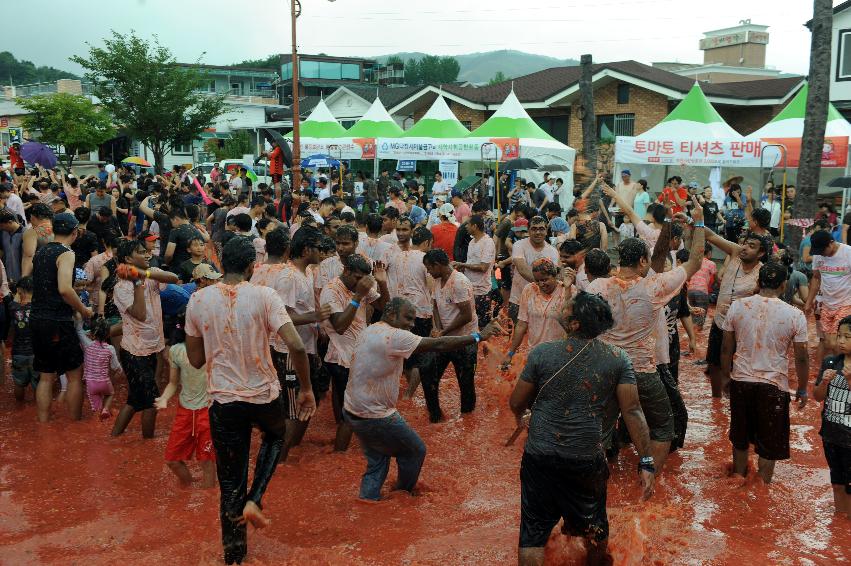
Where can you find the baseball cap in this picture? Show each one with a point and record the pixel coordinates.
(205, 271)
(441, 198)
(148, 236)
(558, 224)
(818, 242)
(693, 185)
(64, 223)
(456, 193)
(447, 210)
(520, 225)
(626, 172)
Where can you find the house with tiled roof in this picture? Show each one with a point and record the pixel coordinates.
(629, 98)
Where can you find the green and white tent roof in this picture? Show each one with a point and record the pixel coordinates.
(693, 118)
(321, 124)
(511, 121)
(438, 122)
(789, 123)
(376, 123)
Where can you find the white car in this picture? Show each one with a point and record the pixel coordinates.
(261, 169)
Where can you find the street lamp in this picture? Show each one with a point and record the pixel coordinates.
(295, 12)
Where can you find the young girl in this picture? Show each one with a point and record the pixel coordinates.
(832, 387)
(190, 431)
(100, 361)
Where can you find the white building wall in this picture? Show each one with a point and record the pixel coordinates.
(839, 90)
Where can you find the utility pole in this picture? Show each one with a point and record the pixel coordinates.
(586, 114)
(818, 98)
(295, 11)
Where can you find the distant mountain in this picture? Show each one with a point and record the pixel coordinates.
(25, 72)
(481, 67)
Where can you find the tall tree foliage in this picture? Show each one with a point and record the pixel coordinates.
(431, 69)
(152, 97)
(68, 122)
(23, 72)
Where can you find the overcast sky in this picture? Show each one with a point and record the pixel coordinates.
(228, 31)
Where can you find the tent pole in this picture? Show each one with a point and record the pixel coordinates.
(498, 206)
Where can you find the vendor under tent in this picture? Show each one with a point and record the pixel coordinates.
(689, 142)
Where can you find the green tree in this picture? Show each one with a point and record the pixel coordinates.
(68, 122)
(394, 60)
(25, 72)
(152, 97)
(235, 147)
(431, 69)
(412, 72)
(498, 78)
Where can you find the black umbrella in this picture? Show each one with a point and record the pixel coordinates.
(277, 139)
(840, 183)
(519, 164)
(553, 167)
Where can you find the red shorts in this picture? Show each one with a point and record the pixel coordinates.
(830, 318)
(190, 434)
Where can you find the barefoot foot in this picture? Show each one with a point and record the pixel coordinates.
(251, 513)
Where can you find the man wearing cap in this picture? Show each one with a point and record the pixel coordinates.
(832, 283)
(626, 189)
(56, 348)
(444, 232)
(434, 213)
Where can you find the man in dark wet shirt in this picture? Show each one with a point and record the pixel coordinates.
(568, 385)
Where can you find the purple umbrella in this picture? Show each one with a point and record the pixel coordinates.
(34, 152)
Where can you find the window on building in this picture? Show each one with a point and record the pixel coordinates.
(467, 124)
(182, 149)
(623, 93)
(610, 126)
(843, 63)
(347, 123)
(287, 71)
(351, 72)
(330, 70)
(556, 126)
(236, 88)
(308, 69)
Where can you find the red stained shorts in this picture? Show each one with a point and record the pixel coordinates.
(190, 434)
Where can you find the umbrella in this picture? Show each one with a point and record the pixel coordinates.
(553, 167)
(137, 161)
(520, 163)
(275, 138)
(34, 152)
(840, 183)
(319, 160)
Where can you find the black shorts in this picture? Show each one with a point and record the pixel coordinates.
(288, 381)
(56, 346)
(656, 406)
(276, 177)
(839, 461)
(713, 348)
(422, 327)
(759, 415)
(339, 381)
(552, 488)
(141, 372)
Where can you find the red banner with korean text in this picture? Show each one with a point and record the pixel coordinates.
(834, 153)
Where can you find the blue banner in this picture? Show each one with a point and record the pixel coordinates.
(406, 165)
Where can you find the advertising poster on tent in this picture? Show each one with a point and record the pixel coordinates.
(509, 148)
(367, 146)
(740, 152)
(449, 170)
(833, 154)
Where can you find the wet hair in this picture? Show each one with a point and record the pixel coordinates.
(327, 244)
(26, 284)
(100, 330)
(374, 223)
(126, 248)
(772, 275)
(242, 221)
(544, 265)
(347, 217)
(270, 210)
(394, 306)
(391, 212)
(762, 217)
(436, 257)
(536, 220)
(658, 212)
(407, 220)
(258, 201)
(478, 206)
(178, 332)
(597, 263)
(7, 216)
(277, 242)
(347, 232)
(174, 212)
(572, 213)
(42, 211)
(306, 237)
(421, 234)
(357, 262)
(631, 251)
(238, 254)
(844, 322)
(683, 255)
(193, 239)
(193, 213)
(821, 224)
(593, 314)
(82, 214)
(707, 248)
(554, 207)
(571, 247)
(477, 221)
(676, 230)
(332, 201)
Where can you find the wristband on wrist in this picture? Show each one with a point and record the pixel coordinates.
(510, 353)
(801, 392)
(699, 225)
(476, 336)
(647, 463)
(147, 274)
(354, 303)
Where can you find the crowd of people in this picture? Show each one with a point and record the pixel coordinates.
(254, 304)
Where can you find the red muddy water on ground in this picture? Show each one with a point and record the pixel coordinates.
(70, 494)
